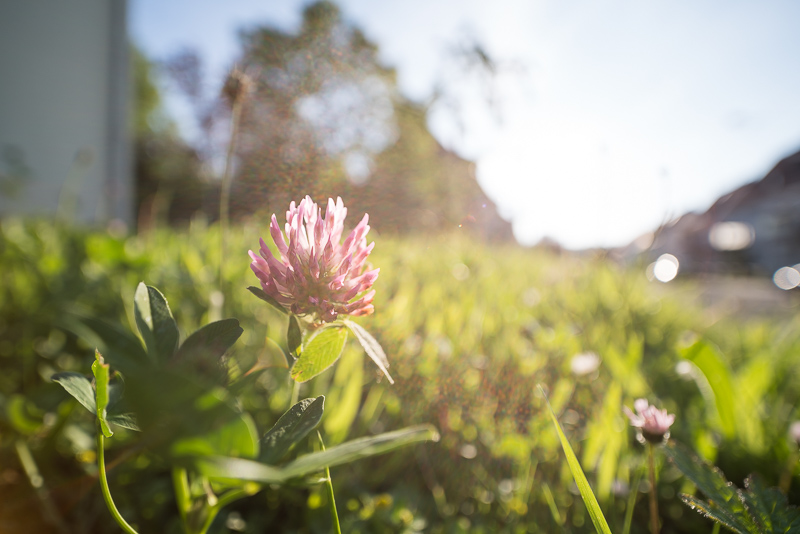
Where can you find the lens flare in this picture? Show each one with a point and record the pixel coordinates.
(787, 278)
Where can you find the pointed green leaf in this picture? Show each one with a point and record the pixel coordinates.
(710, 363)
(122, 349)
(257, 291)
(238, 438)
(203, 350)
(233, 470)
(101, 378)
(125, 420)
(714, 486)
(371, 347)
(292, 426)
(599, 520)
(360, 448)
(155, 322)
(294, 336)
(79, 387)
(222, 468)
(319, 353)
(713, 512)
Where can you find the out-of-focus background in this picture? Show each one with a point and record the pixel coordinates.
(601, 197)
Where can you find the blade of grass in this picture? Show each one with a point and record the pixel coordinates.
(329, 487)
(599, 520)
(551, 503)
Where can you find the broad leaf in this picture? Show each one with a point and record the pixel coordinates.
(758, 510)
(257, 291)
(319, 353)
(713, 512)
(121, 348)
(761, 502)
(770, 507)
(226, 469)
(79, 387)
(101, 378)
(599, 520)
(233, 470)
(204, 349)
(292, 426)
(724, 504)
(294, 336)
(155, 322)
(238, 438)
(176, 405)
(371, 347)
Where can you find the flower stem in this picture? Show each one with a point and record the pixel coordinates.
(101, 469)
(653, 491)
(225, 192)
(295, 393)
(329, 486)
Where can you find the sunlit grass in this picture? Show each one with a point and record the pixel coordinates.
(470, 329)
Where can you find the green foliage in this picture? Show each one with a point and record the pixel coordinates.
(292, 426)
(585, 489)
(104, 393)
(371, 347)
(321, 351)
(257, 291)
(721, 399)
(755, 510)
(230, 469)
(155, 322)
(464, 353)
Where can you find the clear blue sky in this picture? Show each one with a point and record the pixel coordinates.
(617, 115)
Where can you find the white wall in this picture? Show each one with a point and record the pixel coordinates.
(63, 106)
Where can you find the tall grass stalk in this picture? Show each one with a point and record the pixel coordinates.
(329, 487)
(237, 87)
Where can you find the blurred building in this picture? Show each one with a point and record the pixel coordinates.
(64, 110)
(752, 230)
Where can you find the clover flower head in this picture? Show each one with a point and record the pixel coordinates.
(651, 423)
(316, 273)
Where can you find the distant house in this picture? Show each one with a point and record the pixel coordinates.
(64, 110)
(752, 230)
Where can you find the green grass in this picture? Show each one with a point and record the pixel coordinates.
(470, 330)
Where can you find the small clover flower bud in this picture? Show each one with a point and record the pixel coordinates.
(316, 273)
(651, 424)
(794, 433)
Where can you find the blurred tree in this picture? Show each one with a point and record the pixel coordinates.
(327, 119)
(167, 170)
